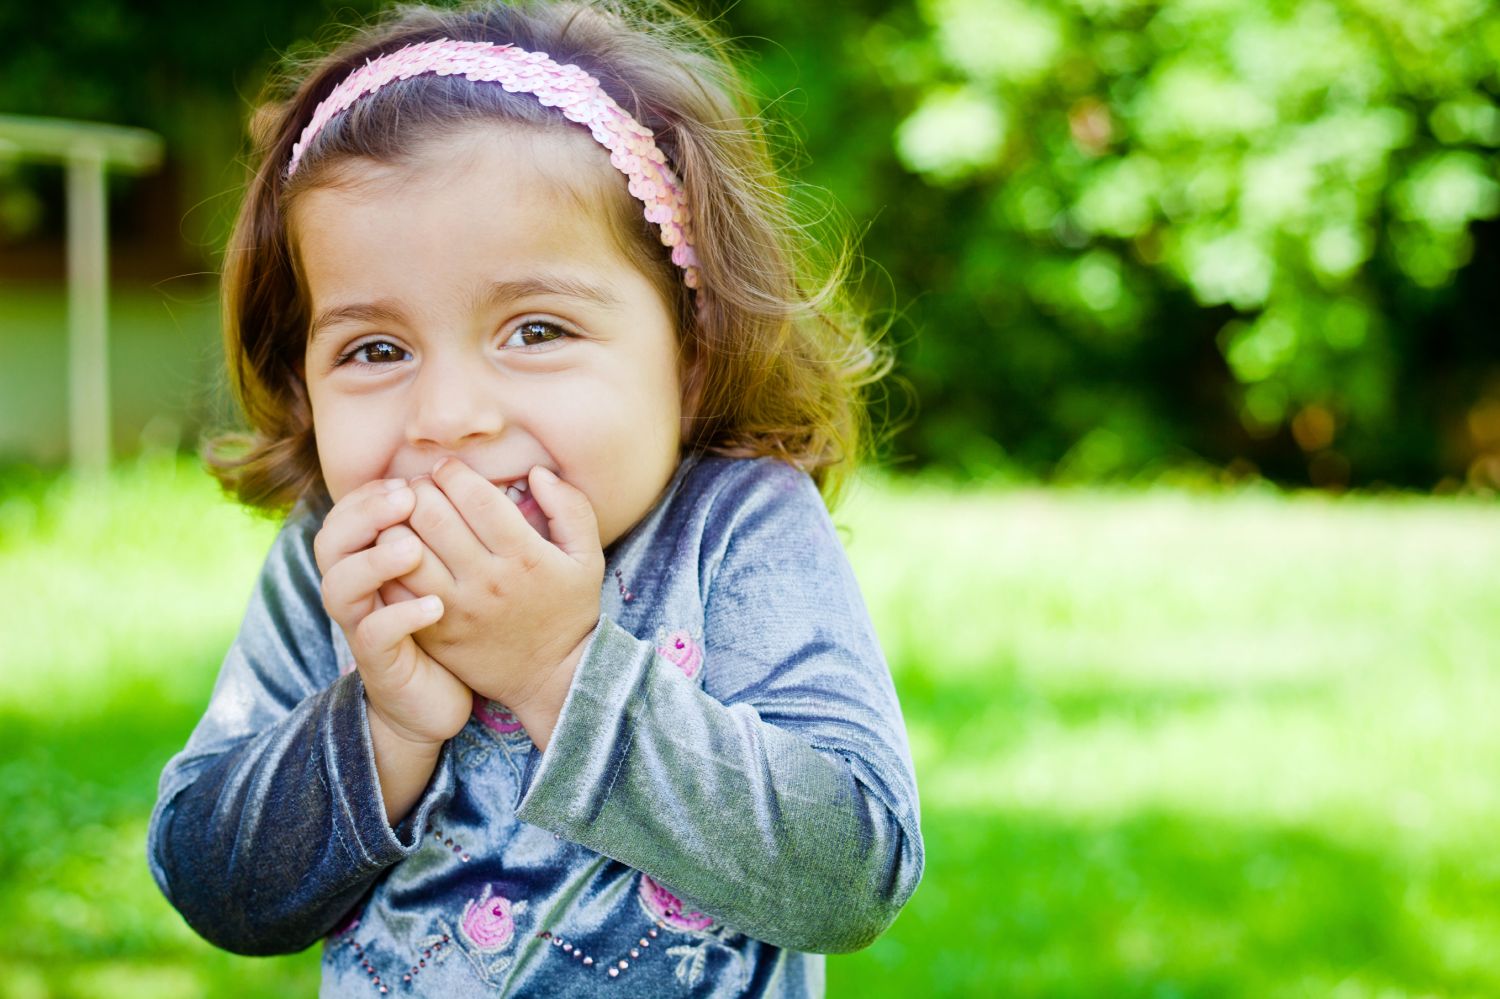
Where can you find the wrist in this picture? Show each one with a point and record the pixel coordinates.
(403, 764)
(394, 735)
(539, 712)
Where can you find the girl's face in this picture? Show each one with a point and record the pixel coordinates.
(475, 303)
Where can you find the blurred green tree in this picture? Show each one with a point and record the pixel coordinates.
(1158, 231)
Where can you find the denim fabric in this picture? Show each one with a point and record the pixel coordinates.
(728, 790)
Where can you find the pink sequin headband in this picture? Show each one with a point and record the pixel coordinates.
(632, 148)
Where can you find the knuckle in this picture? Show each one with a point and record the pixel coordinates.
(390, 556)
(330, 598)
(425, 517)
(393, 534)
(321, 545)
(485, 502)
(367, 634)
(579, 507)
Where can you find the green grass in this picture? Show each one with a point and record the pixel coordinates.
(1168, 744)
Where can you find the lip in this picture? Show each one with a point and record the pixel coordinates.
(526, 505)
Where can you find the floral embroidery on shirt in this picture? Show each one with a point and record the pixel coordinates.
(683, 651)
(662, 905)
(486, 931)
(495, 716)
(489, 921)
(692, 958)
(494, 725)
(690, 962)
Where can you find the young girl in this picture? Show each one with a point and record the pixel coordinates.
(556, 680)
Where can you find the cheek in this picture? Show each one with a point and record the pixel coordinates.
(617, 440)
(353, 446)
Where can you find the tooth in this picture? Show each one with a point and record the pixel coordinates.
(514, 494)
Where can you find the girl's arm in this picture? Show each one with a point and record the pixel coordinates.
(779, 798)
(269, 826)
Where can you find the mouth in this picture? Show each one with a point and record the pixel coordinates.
(516, 490)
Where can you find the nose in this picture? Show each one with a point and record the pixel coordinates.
(453, 404)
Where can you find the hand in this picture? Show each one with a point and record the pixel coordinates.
(415, 698)
(519, 608)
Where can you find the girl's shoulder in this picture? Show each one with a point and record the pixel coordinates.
(737, 501)
(713, 499)
(737, 483)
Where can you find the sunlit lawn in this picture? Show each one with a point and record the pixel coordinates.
(1169, 745)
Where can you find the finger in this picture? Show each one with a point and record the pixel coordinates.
(395, 592)
(377, 641)
(570, 516)
(443, 529)
(491, 516)
(351, 584)
(395, 533)
(355, 520)
(430, 575)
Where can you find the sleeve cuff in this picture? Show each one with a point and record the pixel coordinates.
(354, 784)
(567, 788)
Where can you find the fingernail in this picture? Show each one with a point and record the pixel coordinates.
(546, 472)
(432, 605)
(391, 485)
(438, 467)
(400, 498)
(406, 546)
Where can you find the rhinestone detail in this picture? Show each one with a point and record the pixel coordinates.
(612, 968)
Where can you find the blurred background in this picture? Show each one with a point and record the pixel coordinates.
(1183, 550)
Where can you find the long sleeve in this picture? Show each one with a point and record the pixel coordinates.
(269, 825)
(779, 797)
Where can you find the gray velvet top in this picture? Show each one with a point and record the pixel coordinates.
(728, 790)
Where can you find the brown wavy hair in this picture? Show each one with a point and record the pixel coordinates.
(776, 361)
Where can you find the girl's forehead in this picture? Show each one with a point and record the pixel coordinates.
(537, 163)
(466, 208)
(553, 179)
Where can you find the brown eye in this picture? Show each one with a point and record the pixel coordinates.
(375, 352)
(534, 334)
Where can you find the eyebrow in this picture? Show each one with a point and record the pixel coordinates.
(386, 311)
(551, 284)
(365, 312)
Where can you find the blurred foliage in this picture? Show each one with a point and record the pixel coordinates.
(1117, 235)
(1159, 232)
(1231, 744)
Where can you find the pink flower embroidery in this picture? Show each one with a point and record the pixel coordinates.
(487, 920)
(681, 651)
(494, 716)
(667, 908)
